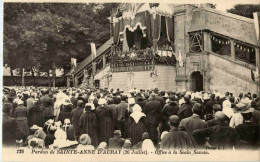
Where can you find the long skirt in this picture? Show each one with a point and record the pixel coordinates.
(135, 132)
(22, 129)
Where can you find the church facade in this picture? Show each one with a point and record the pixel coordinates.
(180, 47)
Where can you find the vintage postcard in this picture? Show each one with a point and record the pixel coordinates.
(130, 80)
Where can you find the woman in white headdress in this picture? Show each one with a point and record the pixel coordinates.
(135, 125)
(227, 110)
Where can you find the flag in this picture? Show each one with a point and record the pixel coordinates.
(74, 62)
(257, 24)
(73, 65)
(180, 59)
(252, 75)
(93, 50)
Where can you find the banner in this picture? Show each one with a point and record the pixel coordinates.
(93, 50)
(257, 24)
(73, 62)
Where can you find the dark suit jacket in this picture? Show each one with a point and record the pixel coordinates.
(192, 123)
(152, 110)
(220, 136)
(209, 106)
(185, 111)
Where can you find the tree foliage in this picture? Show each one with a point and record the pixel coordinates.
(44, 36)
(244, 10)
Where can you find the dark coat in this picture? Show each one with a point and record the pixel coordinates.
(192, 123)
(88, 125)
(74, 118)
(49, 139)
(212, 122)
(170, 109)
(135, 130)
(113, 108)
(105, 123)
(47, 104)
(115, 143)
(65, 111)
(22, 129)
(152, 110)
(8, 131)
(161, 100)
(220, 136)
(74, 101)
(249, 135)
(35, 115)
(121, 110)
(209, 107)
(185, 111)
(177, 139)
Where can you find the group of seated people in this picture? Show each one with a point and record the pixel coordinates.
(62, 118)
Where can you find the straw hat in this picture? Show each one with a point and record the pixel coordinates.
(35, 127)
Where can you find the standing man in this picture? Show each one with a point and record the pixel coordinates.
(75, 116)
(47, 104)
(121, 113)
(152, 111)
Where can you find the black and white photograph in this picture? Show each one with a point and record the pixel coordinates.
(126, 81)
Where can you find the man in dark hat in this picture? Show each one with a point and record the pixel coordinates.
(220, 136)
(116, 142)
(176, 139)
(193, 122)
(75, 116)
(185, 110)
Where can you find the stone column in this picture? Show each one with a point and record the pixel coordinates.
(104, 60)
(232, 49)
(207, 42)
(94, 68)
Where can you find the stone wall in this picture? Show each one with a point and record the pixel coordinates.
(142, 79)
(229, 76)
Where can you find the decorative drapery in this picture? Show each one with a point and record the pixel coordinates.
(156, 26)
(170, 28)
(150, 24)
(132, 24)
(116, 31)
(130, 38)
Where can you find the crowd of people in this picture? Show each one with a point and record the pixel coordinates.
(62, 118)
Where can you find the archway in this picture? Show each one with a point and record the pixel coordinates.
(196, 81)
